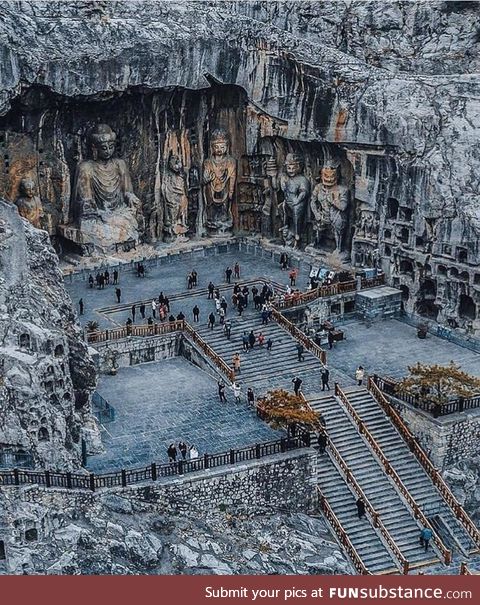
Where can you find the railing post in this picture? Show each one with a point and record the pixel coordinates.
(16, 476)
(283, 443)
(106, 334)
(257, 450)
(375, 519)
(205, 461)
(154, 471)
(92, 482)
(460, 404)
(124, 478)
(406, 568)
(47, 478)
(336, 388)
(232, 456)
(69, 480)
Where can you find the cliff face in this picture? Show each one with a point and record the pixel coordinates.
(47, 373)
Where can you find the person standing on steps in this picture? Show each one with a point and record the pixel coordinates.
(194, 278)
(293, 277)
(269, 345)
(251, 339)
(211, 321)
(236, 271)
(360, 508)
(196, 313)
(115, 277)
(237, 391)
(245, 342)
(331, 339)
(250, 397)
(325, 373)
(322, 442)
(297, 383)
(211, 289)
(80, 306)
(300, 351)
(425, 536)
(228, 275)
(236, 362)
(227, 328)
(221, 391)
(142, 310)
(90, 281)
(134, 311)
(118, 294)
(359, 375)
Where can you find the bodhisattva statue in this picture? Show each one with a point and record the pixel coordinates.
(29, 204)
(174, 188)
(296, 193)
(106, 209)
(219, 178)
(329, 206)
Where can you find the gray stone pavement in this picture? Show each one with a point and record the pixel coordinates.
(157, 403)
(387, 347)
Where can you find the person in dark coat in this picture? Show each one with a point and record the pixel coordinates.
(107, 276)
(250, 397)
(134, 311)
(425, 536)
(115, 277)
(228, 275)
(118, 294)
(331, 339)
(300, 350)
(269, 344)
(194, 277)
(211, 288)
(181, 316)
(245, 342)
(360, 508)
(325, 373)
(211, 321)
(80, 306)
(221, 391)
(90, 281)
(172, 453)
(251, 339)
(227, 328)
(236, 270)
(322, 442)
(128, 324)
(142, 310)
(196, 313)
(182, 446)
(297, 383)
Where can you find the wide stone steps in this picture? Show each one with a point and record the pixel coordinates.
(406, 465)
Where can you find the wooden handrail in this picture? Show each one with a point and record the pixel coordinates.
(342, 534)
(464, 571)
(422, 457)
(207, 349)
(391, 472)
(300, 336)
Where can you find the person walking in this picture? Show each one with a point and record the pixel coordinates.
(189, 281)
(322, 442)
(236, 362)
(269, 345)
(293, 277)
(359, 375)
(172, 453)
(211, 288)
(142, 310)
(106, 275)
(227, 328)
(224, 304)
(211, 321)
(325, 373)
(154, 308)
(80, 306)
(115, 277)
(236, 271)
(261, 339)
(194, 278)
(245, 342)
(134, 311)
(251, 339)
(237, 391)
(221, 391)
(297, 383)
(240, 308)
(118, 294)
(102, 281)
(90, 281)
(425, 536)
(221, 313)
(250, 397)
(196, 313)
(331, 339)
(300, 351)
(193, 452)
(360, 508)
(182, 446)
(228, 275)
(264, 316)
(283, 261)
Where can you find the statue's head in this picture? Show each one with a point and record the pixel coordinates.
(220, 142)
(293, 164)
(27, 188)
(175, 163)
(103, 140)
(329, 175)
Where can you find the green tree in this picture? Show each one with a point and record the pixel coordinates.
(439, 383)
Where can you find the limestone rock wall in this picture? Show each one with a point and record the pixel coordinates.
(47, 375)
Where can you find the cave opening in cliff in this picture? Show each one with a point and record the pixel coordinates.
(467, 308)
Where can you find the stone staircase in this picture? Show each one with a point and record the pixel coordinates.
(411, 472)
(377, 487)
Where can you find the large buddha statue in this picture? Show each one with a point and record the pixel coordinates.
(29, 204)
(174, 189)
(105, 207)
(219, 177)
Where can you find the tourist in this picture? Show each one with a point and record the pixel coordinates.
(128, 324)
(246, 293)
(118, 294)
(196, 313)
(245, 342)
(251, 339)
(102, 281)
(150, 321)
(194, 278)
(293, 277)
(161, 298)
(172, 453)
(182, 446)
(216, 294)
(166, 302)
(142, 310)
(325, 373)
(240, 309)
(221, 313)
(134, 310)
(224, 304)
(115, 277)
(237, 391)
(193, 452)
(359, 375)
(217, 305)
(181, 316)
(283, 261)
(425, 536)
(322, 442)
(264, 315)
(228, 275)
(211, 288)
(360, 508)
(106, 277)
(236, 289)
(154, 308)
(90, 281)
(261, 339)
(141, 270)
(331, 339)
(227, 329)
(80, 306)
(236, 362)
(190, 281)
(250, 397)
(236, 271)
(269, 345)
(297, 383)
(300, 351)
(221, 391)
(211, 321)
(171, 318)
(234, 299)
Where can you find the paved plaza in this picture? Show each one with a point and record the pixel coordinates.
(171, 401)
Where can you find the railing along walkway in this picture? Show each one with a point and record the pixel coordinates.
(392, 473)
(297, 334)
(422, 457)
(123, 478)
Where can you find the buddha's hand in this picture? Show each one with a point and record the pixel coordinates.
(132, 200)
(89, 209)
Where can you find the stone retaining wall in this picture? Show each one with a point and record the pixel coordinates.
(135, 350)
